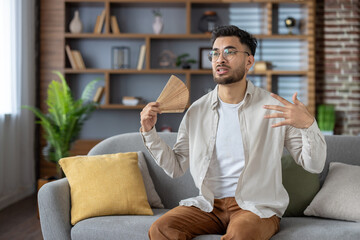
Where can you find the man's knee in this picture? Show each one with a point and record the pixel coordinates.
(163, 229)
(155, 231)
(242, 234)
(252, 228)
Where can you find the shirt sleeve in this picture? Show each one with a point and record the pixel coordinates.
(173, 161)
(307, 147)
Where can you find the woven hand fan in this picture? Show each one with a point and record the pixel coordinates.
(174, 97)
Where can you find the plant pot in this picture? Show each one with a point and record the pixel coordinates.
(186, 66)
(50, 156)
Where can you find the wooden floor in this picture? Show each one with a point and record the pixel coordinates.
(20, 222)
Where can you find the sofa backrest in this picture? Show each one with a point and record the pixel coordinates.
(341, 148)
(345, 149)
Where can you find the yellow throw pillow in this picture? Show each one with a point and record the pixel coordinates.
(103, 185)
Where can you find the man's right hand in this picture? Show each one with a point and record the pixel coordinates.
(148, 116)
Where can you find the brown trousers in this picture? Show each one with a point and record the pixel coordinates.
(227, 218)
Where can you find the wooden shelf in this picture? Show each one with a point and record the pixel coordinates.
(134, 71)
(175, 71)
(278, 72)
(185, 1)
(172, 36)
(121, 106)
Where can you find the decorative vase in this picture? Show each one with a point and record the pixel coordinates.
(76, 25)
(209, 21)
(158, 25)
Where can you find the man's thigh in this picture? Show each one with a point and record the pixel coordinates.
(185, 222)
(247, 225)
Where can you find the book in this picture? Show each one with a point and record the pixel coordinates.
(99, 26)
(78, 59)
(141, 57)
(71, 57)
(98, 94)
(114, 25)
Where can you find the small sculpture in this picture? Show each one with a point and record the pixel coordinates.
(290, 23)
(76, 25)
(158, 22)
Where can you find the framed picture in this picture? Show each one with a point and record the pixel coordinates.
(204, 62)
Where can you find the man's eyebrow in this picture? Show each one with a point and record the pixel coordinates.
(227, 47)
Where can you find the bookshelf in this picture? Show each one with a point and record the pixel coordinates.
(292, 55)
(269, 31)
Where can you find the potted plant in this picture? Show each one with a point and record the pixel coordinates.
(184, 61)
(326, 118)
(65, 117)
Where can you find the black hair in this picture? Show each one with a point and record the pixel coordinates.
(228, 31)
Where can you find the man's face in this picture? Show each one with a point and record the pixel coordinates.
(231, 68)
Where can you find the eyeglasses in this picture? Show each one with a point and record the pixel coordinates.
(227, 53)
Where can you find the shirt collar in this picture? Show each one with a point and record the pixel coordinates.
(215, 100)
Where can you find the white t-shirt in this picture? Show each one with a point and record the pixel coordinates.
(228, 159)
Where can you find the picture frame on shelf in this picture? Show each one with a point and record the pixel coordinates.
(204, 62)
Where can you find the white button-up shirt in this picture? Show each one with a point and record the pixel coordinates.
(259, 189)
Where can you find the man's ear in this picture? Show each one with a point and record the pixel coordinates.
(250, 62)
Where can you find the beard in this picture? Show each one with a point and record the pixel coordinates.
(237, 76)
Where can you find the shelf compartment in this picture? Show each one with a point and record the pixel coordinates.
(77, 83)
(148, 87)
(281, 11)
(88, 11)
(133, 17)
(244, 15)
(97, 53)
(286, 85)
(285, 54)
(170, 48)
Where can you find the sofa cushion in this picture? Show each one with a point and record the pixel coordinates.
(121, 227)
(310, 228)
(339, 198)
(105, 185)
(301, 186)
(136, 228)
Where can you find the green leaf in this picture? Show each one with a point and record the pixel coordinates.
(88, 91)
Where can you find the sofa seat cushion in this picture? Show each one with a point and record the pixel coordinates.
(132, 227)
(310, 228)
(136, 228)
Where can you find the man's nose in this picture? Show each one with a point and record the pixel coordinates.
(221, 58)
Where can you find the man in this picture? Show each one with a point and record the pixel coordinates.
(232, 140)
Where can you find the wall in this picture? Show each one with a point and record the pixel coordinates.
(337, 61)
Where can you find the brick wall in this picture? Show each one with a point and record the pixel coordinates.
(337, 61)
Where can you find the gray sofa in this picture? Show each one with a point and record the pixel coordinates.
(54, 200)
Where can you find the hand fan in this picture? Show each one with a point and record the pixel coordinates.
(174, 97)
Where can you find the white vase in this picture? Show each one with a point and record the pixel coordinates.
(76, 25)
(158, 25)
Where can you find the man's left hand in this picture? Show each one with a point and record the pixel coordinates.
(294, 114)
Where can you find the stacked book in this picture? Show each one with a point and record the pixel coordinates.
(75, 58)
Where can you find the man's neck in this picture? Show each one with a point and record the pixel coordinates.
(232, 93)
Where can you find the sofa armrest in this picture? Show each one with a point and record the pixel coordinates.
(54, 209)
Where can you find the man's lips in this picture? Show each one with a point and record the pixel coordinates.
(222, 70)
